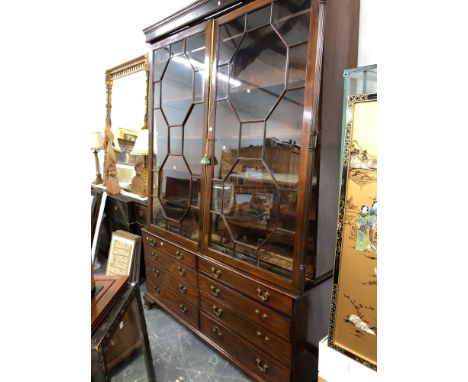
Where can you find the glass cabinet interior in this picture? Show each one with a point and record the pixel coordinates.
(257, 121)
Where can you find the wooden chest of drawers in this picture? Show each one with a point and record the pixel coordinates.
(251, 321)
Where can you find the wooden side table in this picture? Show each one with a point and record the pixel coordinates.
(119, 338)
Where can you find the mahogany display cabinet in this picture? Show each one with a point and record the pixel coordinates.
(245, 128)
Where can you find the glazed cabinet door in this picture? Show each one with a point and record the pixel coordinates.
(179, 80)
(259, 118)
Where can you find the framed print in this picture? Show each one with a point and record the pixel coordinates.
(121, 253)
(353, 324)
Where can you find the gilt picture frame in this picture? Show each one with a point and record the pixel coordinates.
(353, 322)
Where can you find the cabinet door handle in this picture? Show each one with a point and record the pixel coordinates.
(217, 310)
(155, 272)
(154, 255)
(215, 291)
(264, 368)
(183, 308)
(216, 272)
(264, 316)
(182, 289)
(116, 208)
(181, 270)
(217, 331)
(263, 296)
(179, 255)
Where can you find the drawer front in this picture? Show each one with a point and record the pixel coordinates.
(140, 213)
(253, 311)
(264, 339)
(172, 250)
(265, 367)
(178, 286)
(118, 210)
(174, 266)
(179, 306)
(249, 287)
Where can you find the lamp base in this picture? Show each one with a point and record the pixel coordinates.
(98, 179)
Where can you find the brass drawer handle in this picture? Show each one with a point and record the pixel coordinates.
(156, 288)
(263, 296)
(155, 272)
(266, 339)
(183, 308)
(162, 243)
(116, 208)
(264, 316)
(141, 213)
(264, 368)
(215, 291)
(179, 255)
(154, 255)
(217, 310)
(181, 270)
(217, 331)
(216, 272)
(182, 289)
(150, 240)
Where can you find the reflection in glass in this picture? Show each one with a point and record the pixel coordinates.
(195, 50)
(176, 91)
(189, 227)
(160, 57)
(222, 82)
(276, 254)
(230, 35)
(251, 140)
(259, 18)
(199, 86)
(257, 74)
(217, 196)
(287, 210)
(283, 138)
(177, 47)
(297, 66)
(158, 214)
(160, 137)
(220, 239)
(174, 187)
(226, 138)
(157, 95)
(193, 139)
(195, 191)
(175, 140)
(291, 19)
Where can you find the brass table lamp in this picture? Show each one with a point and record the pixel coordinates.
(97, 143)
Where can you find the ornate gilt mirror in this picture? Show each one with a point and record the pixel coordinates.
(126, 116)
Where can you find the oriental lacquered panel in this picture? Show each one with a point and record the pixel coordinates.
(353, 325)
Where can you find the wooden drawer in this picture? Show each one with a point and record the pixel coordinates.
(140, 213)
(178, 286)
(252, 310)
(248, 286)
(172, 250)
(174, 266)
(264, 339)
(177, 305)
(118, 210)
(265, 367)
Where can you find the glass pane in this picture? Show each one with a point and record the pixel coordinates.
(177, 47)
(291, 19)
(175, 141)
(158, 215)
(190, 224)
(222, 82)
(230, 35)
(287, 213)
(297, 65)
(160, 137)
(227, 132)
(193, 139)
(195, 198)
(160, 57)
(252, 140)
(174, 187)
(157, 95)
(259, 18)
(173, 226)
(177, 92)
(276, 254)
(283, 138)
(195, 50)
(251, 202)
(257, 74)
(154, 189)
(199, 86)
(220, 239)
(246, 254)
